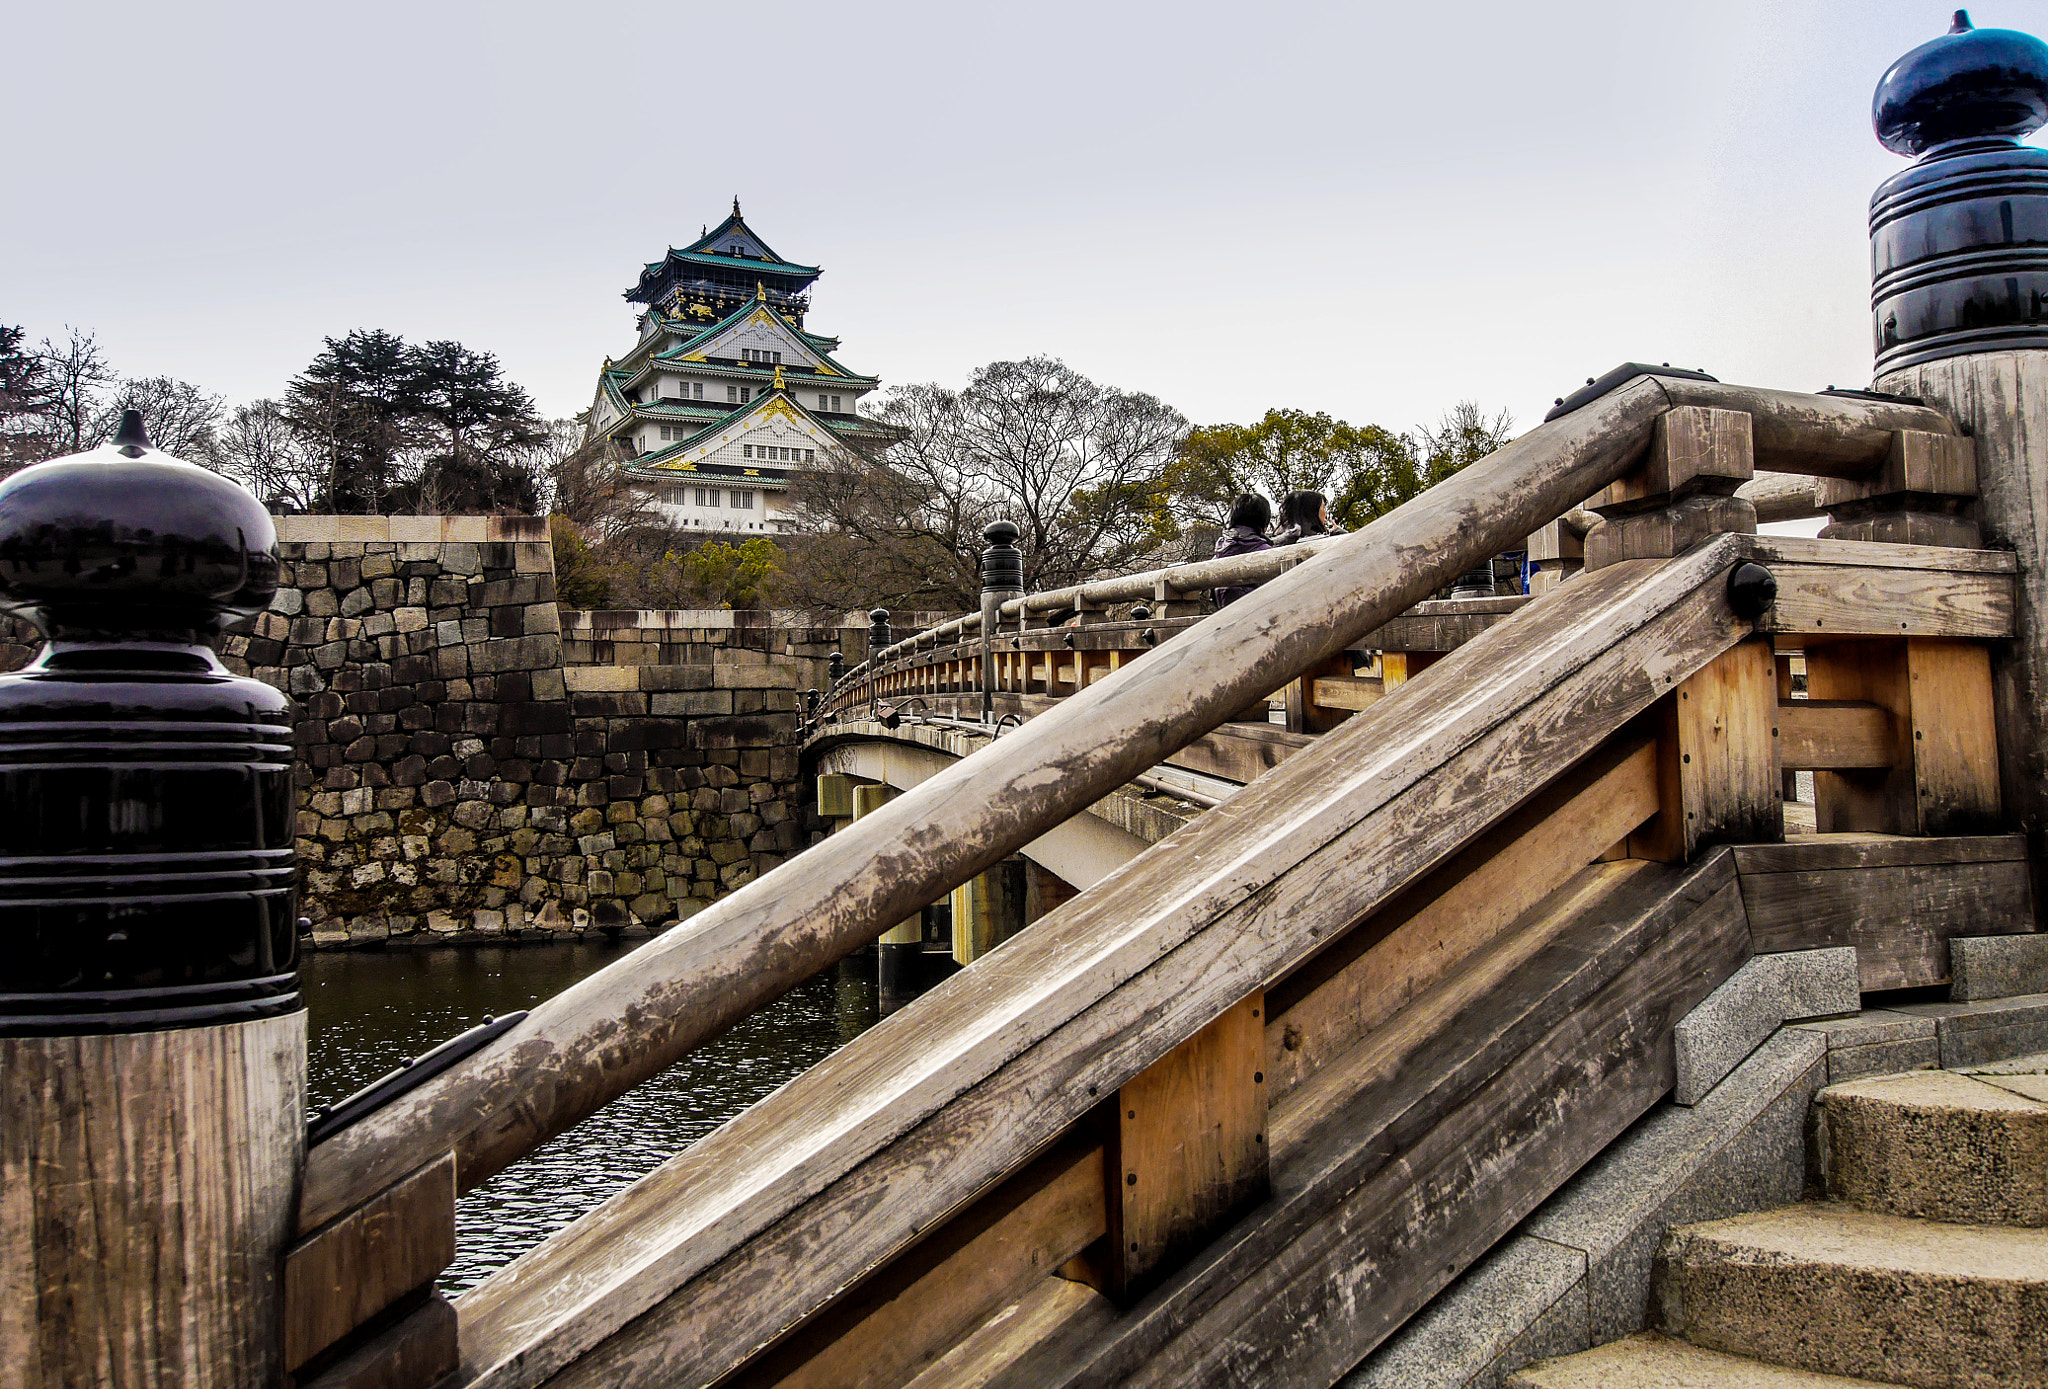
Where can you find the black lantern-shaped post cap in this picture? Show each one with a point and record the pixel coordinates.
(1002, 563)
(1959, 241)
(1969, 84)
(878, 632)
(148, 878)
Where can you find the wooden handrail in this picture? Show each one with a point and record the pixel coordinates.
(631, 1020)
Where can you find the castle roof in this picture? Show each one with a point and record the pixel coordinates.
(732, 248)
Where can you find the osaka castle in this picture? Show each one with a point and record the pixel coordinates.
(726, 396)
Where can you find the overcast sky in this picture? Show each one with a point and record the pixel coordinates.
(1370, 209)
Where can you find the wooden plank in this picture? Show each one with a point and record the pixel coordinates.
(1189, 1155)
(1819, 851)
(418, 1351)
(1866, 554)
(1898, 918)
(1436, 1135)
(1239, 752)
(1304, 714)
(1350, 693)
(1717, 763)
(962, 1085)
(1880, 800)
(896, 1324)
(1400, 952)
(1955, 736)
(1835, 734)
(1818, 602)
(1057, 1310)
(341, 1276)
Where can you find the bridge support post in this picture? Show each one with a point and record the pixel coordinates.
(1002, 578)
(2001, 399)
(899, 953)
(152, 1034)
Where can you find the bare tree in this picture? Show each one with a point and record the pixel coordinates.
(1079, 466)
(181, 419)
(75, 375)
(259, 449)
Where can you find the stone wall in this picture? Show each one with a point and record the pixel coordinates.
(457, 783)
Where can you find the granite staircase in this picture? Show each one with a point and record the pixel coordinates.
(1926, 1265)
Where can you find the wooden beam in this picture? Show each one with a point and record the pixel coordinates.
(1689, 444)
(1397, 954)
(340, 1277)
(898, 1322)
(1878, 800)
(1189, 1155)
(1897, 901)
(420, 1349)
(1430, 1140)
(1348, 693)
(1835, 735)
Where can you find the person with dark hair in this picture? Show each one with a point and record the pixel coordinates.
(1304, 516)
(1250, 516)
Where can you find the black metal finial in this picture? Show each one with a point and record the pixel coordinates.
(147, 869)
(835, 666)
(1959, 242)
(1002, 563)
(878, 632)
(131, 438)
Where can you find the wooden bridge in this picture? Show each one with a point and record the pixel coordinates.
(1315, 1014)
(1332, 1005)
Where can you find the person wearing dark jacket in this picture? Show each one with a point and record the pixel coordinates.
(1304, 516)
(1250, 516)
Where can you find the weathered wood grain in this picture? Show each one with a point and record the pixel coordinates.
(2002, 400)
(1057, 1310)
(1879, 800)
(1929, 464)
(1690, 443)
(1717, 772)
(1188, 1154)
(1899, 917)
(1418, 1150)
(1955, 737)
(418, 1351)
(343, 1275)
(895, 1325)
(1396, 955)
(1350, 693)
(1835, 734)
(1821, 851)
(1824, 602)
(146, 1183)
(692, 1270)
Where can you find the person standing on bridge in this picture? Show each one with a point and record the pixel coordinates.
(1304, 516)
(1250, 517)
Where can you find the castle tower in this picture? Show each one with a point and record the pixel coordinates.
(725, 397)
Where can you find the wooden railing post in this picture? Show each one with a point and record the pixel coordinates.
(152, 1034)
(1717, 771)
(1188, 1154)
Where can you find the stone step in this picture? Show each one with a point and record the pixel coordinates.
(1650, 1361)
(1971, 1149)
(1833, 1289)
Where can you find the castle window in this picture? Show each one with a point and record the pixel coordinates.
(667, 432)
(746, 394)
(810, 455)
(697, 390)
(743, 499)
(835, 405)
(732, 394)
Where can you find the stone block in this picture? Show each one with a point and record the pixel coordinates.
(675, 677)
(1742, 1148)
(1727, 1026)
(467, 530)
(1767, 991)
(1972, 1034)
(763, 677)
(593, 679)
(1987, 967)
(1523, 1302)
(691, 703)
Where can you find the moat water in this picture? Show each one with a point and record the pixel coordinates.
(371, 1010)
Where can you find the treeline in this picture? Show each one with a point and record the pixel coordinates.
(1101, 480)
(374, 424)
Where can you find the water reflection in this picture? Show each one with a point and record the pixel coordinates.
(372, 1009)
